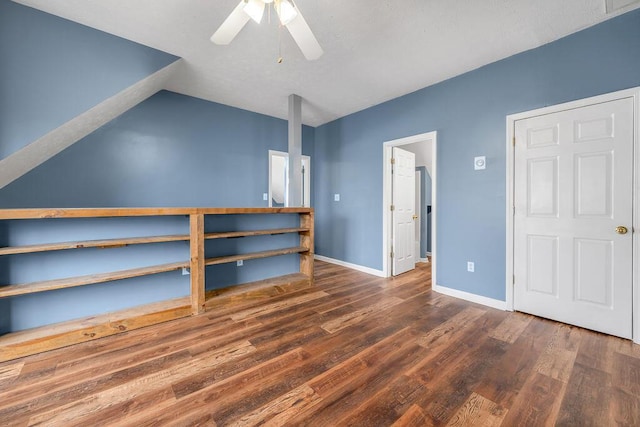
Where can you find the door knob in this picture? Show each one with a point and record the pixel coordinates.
(621, 229)
(415, 217)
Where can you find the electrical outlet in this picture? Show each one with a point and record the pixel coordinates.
(265, 196)
(471, 267)
(336, 197)
(239, 263)
(185, 271)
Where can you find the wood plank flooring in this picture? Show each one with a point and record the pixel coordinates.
(353, 350)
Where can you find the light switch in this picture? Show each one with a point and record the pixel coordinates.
(336, 197)
(480, 163)
(265, 196)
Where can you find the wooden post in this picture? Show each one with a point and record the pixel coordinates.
(196, 222)
(306, 241)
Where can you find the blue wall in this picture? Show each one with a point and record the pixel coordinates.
(51, 70)
(469, 114)
(170, 150)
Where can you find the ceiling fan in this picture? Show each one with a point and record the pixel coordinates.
(288, 14)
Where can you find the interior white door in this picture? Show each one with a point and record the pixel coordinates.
(403, 201)
(573, 189)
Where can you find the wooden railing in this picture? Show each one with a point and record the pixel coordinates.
(26, 342)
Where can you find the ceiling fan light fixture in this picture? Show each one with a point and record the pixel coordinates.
(286, 11)
(255, 9)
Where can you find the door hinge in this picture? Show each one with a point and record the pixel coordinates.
(393, 208)
(391, 254)
(393, 161)
(513, 141)
(514, 210)
(513, 279)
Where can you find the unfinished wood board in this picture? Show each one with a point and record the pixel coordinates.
(248, 233)
(45, 338)
(106, 243)
(232, 295)
(255, 255)
(90, 279)
(37, 213)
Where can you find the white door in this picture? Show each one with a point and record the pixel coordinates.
(403, 201)
(573, 189)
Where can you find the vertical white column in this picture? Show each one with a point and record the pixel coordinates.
(295, 151)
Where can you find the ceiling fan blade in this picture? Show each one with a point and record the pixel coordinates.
(305, 39)
(231, 26)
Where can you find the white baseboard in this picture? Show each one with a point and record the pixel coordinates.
(423, 260)
(367, 270)
(478, 299)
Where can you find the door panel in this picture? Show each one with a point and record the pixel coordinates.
(543, 253)
(403, 200)
(573, 187)
(543, 187)
(593, 271)
(594, 184)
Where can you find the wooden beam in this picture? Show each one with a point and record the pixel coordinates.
(50, 337)
(307, 241)
(232, 295)
(255, 255)
(90, 279)
(197, 263)
(127, 212)
(106, 243)
(273, 231)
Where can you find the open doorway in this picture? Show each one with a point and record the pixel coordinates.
(279, 180)
(424, 146)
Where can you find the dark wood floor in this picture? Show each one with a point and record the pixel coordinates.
(352, 350)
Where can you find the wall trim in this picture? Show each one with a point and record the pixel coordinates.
(368, 270)
(478, 299)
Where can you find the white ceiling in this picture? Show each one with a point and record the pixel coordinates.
(375, 50)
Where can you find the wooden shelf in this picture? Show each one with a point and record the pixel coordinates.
(72, 282)
(50, 337)
(255, 255)
(233, 234)
(23, 343)
(232, 295)
(38, 213)
(107, 243)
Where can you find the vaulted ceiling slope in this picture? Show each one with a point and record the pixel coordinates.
(374, 50)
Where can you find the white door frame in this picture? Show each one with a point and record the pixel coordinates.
(418, 212)
(511, 119)
(386, 199)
